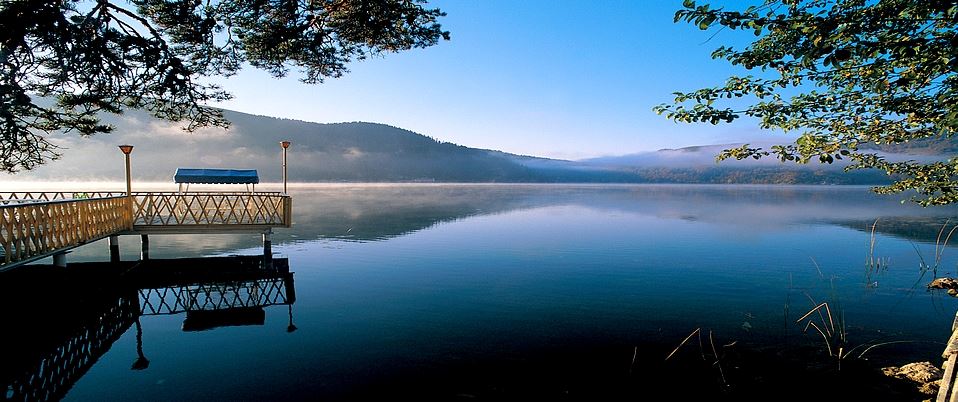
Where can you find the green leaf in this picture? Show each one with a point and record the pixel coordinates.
(865, 72)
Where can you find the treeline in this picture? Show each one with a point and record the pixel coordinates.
(760, 175)
(925, 146)
(370, 152)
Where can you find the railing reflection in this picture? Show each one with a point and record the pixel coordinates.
(57, 331)
(46, 371)
(213, 296)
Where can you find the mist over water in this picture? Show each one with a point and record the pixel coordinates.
(370, 212)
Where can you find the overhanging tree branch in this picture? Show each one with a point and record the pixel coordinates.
(60, 67)
(860, 75)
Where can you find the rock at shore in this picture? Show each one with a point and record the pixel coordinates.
(945, 283)
(925, 374)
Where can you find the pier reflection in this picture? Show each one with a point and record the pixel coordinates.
(59, 321)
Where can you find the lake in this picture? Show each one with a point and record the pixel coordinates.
(522, 292)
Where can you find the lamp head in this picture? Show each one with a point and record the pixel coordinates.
(126, 149)
(284, 144)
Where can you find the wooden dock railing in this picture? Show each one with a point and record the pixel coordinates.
(34, 225)
(24, 196)
(218, 209)
(31, 229)
(158, 209)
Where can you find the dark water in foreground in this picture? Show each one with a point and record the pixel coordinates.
(549, 292)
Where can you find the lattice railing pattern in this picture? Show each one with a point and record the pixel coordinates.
(28, 196)
(173, 208)
(29, 229)
(213, 296)
(56, 372)
(38, 223)
(167, 209)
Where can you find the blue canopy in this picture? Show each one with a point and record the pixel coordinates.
(216, 176)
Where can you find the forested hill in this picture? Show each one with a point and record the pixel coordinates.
(361, 151)
(356, 151)
(371, 152)
(926, 146)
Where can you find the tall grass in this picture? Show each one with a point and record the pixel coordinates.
(717, 358)
(941, 243)
(834, 336)
(821, 319)
(825, 320)
(874, 266)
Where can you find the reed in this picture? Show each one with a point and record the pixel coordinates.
(875, 345)
(832, 331)
(941, 243)
(874, 266)
(684, 341)
(717, 363)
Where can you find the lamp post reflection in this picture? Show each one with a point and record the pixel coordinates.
(291, 327)
(141, 362)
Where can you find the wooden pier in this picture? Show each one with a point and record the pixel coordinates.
(36, 225)
(947, 391)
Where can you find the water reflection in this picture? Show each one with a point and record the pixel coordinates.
(517, 292)
(60, 321)
(378, 212)
(366, 212)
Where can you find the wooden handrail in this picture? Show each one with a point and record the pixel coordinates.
(57, 195)
(210, 208)
(32, 230)
(135, 193)
(67, 195)
(37, 224)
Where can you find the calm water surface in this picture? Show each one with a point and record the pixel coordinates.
(547, 292)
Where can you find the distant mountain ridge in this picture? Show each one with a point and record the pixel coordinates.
(373, 152)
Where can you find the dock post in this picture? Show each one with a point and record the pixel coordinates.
(114, 248)
(60, 260)
(267, 249)
(144, 247)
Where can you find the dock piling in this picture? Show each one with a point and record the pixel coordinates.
(267, 249)
(60, 260)
(114, 248)
(144, 247)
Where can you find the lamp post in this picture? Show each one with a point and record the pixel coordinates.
(115, 239)
(127, 149)
(285, 145)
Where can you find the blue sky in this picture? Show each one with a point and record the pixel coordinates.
(545, 78)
